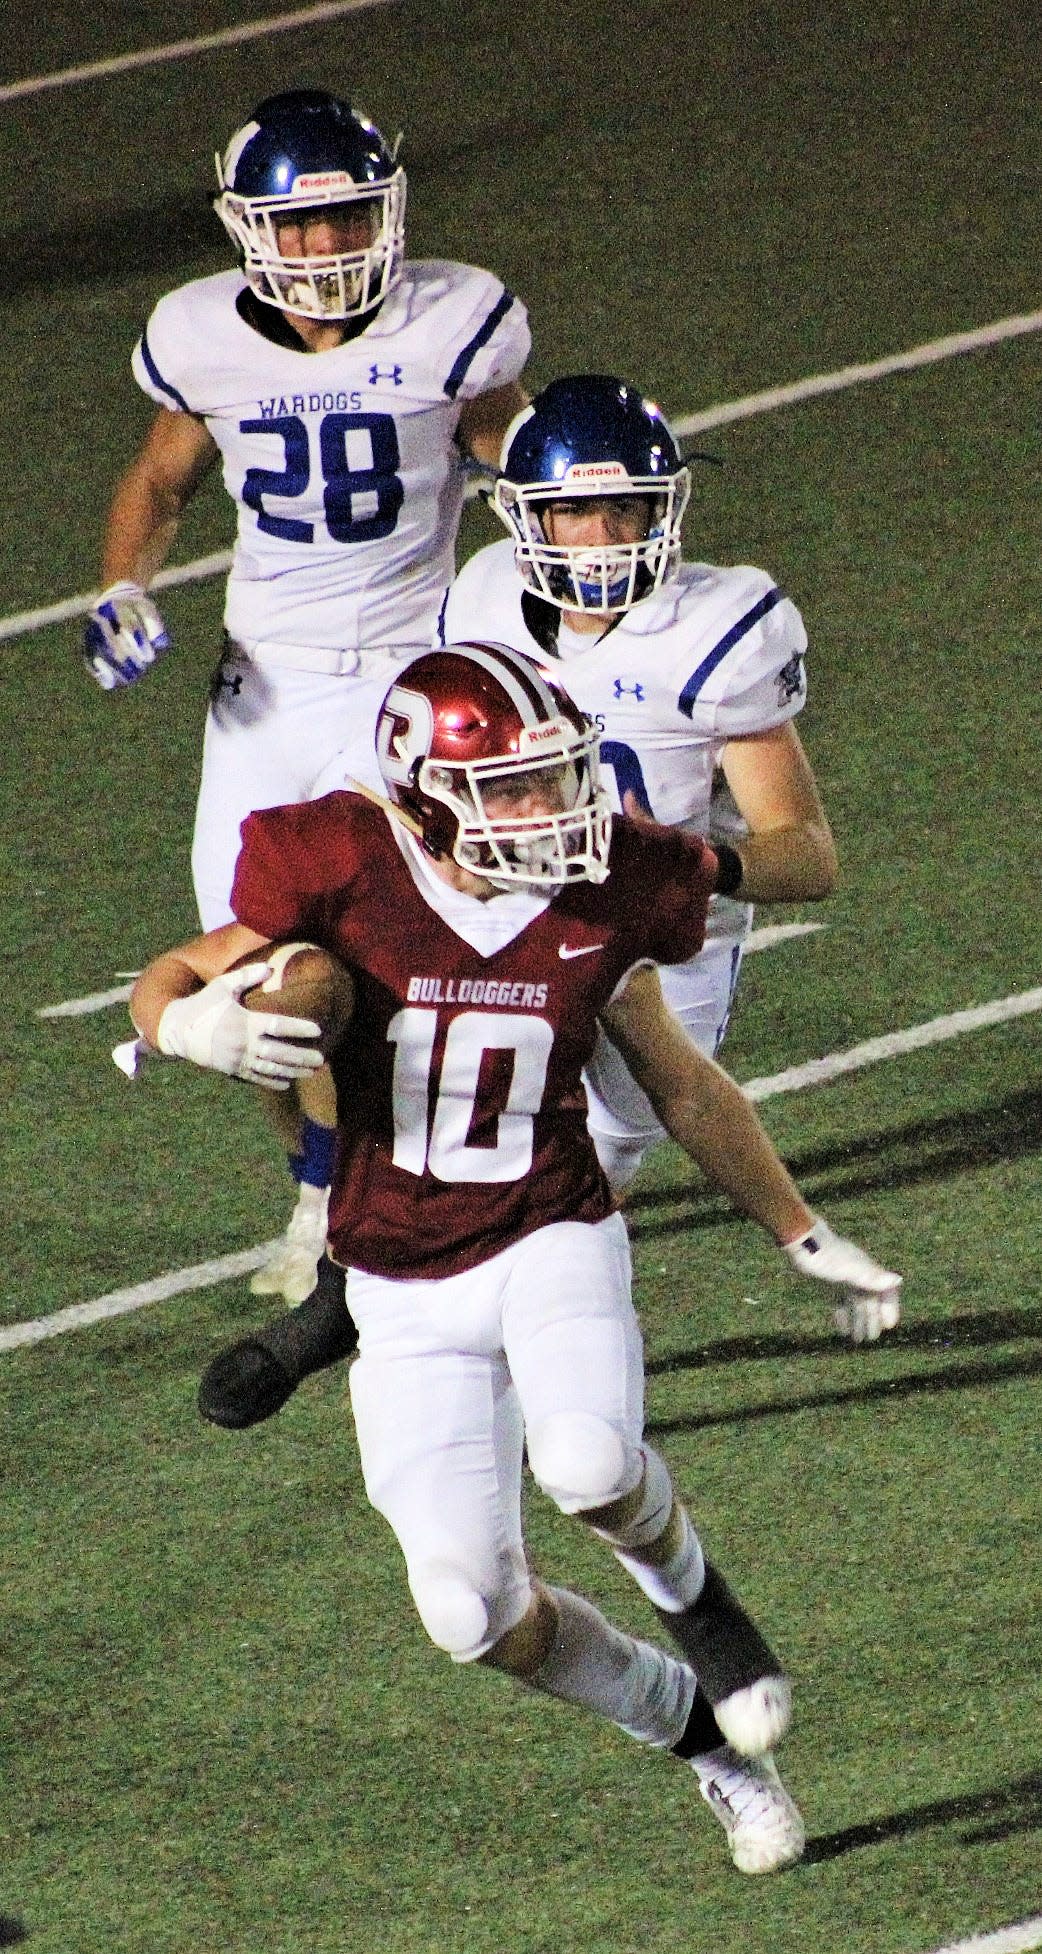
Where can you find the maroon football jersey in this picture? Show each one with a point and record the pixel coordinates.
(462, 1108)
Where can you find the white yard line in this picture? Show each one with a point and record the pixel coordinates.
(15, 626)
(121, 1302)
(1003, 1940)
(976, 340)
(81, 1007)
(818, 1072)
(774, 933)
(120, 64)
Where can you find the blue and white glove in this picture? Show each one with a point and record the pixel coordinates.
(869, 1303)
(124, 636)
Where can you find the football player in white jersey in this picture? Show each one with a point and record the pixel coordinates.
(342, 388)
(689, 670)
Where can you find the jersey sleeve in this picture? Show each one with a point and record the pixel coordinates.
(491, 340)
(769, 684)
(747, 675)
(477, 601)
(269, 892)
(158, 362)
(457, 607)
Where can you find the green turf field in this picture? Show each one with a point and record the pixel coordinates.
(221, 1727)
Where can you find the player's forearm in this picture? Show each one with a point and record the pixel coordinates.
(167, 977)
(721, 1132)
(141, 527)
(485, 419)
(797, 864)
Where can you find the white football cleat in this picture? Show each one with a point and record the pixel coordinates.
(291, 1270)
(763, 1825)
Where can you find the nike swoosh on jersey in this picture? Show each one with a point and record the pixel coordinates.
(580, 950)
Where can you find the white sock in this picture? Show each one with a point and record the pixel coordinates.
(643, 1690)
(725, 1767)
(678, 1582)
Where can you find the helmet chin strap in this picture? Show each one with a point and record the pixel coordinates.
(399, 814)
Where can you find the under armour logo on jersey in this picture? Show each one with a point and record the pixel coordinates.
(636, 690)
(378, 373)
(790, 679)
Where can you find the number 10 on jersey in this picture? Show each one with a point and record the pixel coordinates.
(444, 1141)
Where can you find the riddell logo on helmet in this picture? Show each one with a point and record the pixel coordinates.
(596, 471)
(323, 180)
(539, 735)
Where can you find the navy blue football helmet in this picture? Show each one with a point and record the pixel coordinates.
(592, 436)
(302, 152)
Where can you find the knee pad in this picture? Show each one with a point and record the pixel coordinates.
(580, 1460)
(452, 1610)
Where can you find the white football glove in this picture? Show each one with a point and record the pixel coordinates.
(124, 636)
(870, 1302)
(130, 1056)
(212, 1028)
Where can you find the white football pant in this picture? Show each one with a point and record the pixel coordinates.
(540, 1344)
(622, 1120)
(270, 730)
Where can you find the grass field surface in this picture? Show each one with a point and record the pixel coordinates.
(222, 1728)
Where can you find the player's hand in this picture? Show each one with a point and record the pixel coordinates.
(870, 1298)
(123, 637)
(642, 819)
(213, 1029)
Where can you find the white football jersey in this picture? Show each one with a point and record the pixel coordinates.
(716, 653)
(342, 465)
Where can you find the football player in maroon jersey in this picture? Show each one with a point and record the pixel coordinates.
(489, 916)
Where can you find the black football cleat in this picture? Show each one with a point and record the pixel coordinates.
(244, 1385)
(252, 1379)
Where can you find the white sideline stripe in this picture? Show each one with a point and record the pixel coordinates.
(81, 1007)
(120, 1302)
(119, 64)
(855, 376)
(774, 933)
(20, 622)
(1004, 1940)
(818, 1072)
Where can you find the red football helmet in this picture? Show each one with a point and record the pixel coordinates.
(497, 765)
